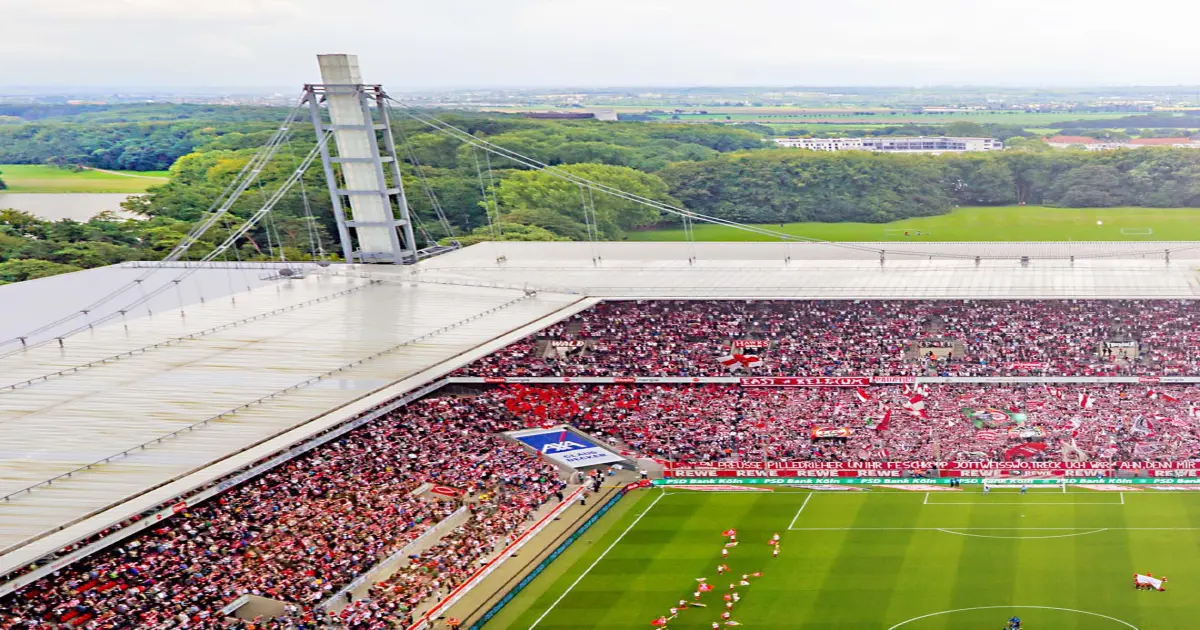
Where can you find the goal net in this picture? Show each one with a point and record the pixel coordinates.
(1026, 485)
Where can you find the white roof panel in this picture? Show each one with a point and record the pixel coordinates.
(326, 339)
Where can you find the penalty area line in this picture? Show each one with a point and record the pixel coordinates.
(802, 506)
(593, 565)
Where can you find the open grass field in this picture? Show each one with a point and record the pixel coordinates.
(880, 559)
(34, 178)
(1011, 223)
(843, 117)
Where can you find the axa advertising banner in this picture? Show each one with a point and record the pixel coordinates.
(566, 447)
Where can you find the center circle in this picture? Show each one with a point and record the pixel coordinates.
(1079, 533)
(958, 610)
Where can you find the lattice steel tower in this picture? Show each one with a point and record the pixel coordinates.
(366, 170)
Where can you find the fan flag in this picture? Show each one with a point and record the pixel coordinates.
(1149, 580)
(882, 423)
(916, 405)
(1055, 392)
(988, 435)
(862, 394)
(740, 361)
(1194, 411)
(1162, 396)
(729, 532)
(1085, 401)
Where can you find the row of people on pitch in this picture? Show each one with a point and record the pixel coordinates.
(857, 337)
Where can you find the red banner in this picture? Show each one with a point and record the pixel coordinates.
(806, 381)
(751, 343)
(624, 380)
(830, 432)
(945, 469)
(1029, 365)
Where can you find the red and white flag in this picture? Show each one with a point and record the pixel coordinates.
(882, 423)
(1085, 401)
(862, 394)
(988, 435)
(916, 406)
(921, 389)
(1194, 411)
(1160, 396)
(740, 361)
(1055, 392)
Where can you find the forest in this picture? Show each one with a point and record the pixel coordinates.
(725, 171)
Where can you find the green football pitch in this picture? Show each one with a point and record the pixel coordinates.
(880, 559)
(1008, 223)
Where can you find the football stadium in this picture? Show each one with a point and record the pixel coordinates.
(609, 435)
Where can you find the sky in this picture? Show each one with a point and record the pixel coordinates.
(421, 44)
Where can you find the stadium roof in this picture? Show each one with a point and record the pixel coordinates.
(230, 365)
(824, 270)
(258, 364)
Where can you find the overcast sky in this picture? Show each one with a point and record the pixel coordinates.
(417, 44)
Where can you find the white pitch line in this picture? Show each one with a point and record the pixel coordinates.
(589, 569)
(1074, 610)
(991, 529)
(1019, 503)
(1084, 532)
(926, 501)
(802, 506)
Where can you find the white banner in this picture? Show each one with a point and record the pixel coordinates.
(566, 447)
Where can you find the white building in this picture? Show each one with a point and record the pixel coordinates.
(894, 144)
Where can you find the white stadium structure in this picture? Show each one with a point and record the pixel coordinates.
(240, 363)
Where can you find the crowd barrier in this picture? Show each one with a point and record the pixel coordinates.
(426, 620)
(813, 381)
(558, 551)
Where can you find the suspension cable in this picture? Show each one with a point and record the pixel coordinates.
(229, 241)
(219, 207)
(560, 173)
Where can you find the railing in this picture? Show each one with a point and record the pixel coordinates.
(436, 531)
(176, 340)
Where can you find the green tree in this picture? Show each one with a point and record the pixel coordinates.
(20, 270)
(542, 199)
(508, 232)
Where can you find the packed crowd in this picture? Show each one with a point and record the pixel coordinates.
(731, 423)
(835, 338)
(303, 530)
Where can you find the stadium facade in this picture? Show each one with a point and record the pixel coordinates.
(134, 414)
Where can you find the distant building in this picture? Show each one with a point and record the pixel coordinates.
(1094, 144)
(559, 115)
(890, 144)
(605, 115)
